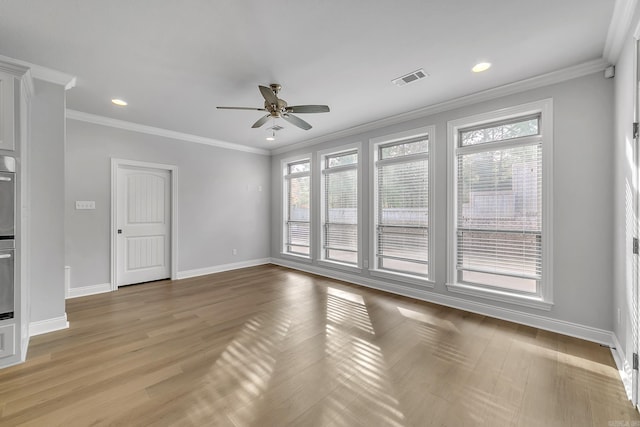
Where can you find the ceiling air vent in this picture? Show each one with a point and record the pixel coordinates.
(410, 78)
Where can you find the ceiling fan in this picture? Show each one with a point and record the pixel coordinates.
(278, 108)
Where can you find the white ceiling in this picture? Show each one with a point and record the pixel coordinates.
(174, 62)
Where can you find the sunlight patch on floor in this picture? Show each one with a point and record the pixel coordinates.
(360, 361)
(241, 373)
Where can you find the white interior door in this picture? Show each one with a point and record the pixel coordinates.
(143, 225)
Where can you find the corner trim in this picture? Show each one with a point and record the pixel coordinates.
(83, 291)
(67, 281)
(48, 325)
(166, 133)
(222, 267)
(624, 369)
(542, 80)
(563, 327)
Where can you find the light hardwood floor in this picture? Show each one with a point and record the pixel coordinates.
(269, 346)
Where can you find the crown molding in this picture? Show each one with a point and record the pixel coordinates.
(41, 73)
(53, 76)
(27, 82)
(9, 66)
(623, 11)
(547, 79)
(621, 20)
(151, 130)
(19, 71)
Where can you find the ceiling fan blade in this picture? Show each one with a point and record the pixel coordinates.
(261, 121)
(299, 109)
(268, 95)
(241, 108)
(297, 121)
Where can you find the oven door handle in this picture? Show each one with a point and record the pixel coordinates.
(5, 256)
(5, 178)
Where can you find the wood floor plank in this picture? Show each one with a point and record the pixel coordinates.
(270, 346)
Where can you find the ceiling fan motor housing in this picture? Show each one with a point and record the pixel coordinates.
(276, 109)
(275, 87)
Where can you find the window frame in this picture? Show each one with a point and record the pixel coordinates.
(284, 215)
(543, 297)
(322, 156)
(374, 145)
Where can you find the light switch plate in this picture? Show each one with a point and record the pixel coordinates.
(85, 204)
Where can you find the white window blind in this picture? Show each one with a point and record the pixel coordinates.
(499, 205)
(402, 217)
(340, 227)
(298, 204)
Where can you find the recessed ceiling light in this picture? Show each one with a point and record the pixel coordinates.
(271, 138)
(119, 102)
(481, 66)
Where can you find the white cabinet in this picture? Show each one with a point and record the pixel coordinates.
(7, 111)
(16, 89)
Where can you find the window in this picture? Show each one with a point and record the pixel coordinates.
(401, 194)
(498, 193)
(297, 191)
(340, 207)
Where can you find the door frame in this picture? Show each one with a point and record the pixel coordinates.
(635, 303)
(116, 164)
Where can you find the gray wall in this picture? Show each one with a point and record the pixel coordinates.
(219, 205)
(46, 181)
(583, 200)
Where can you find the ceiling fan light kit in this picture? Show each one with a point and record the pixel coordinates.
(278, 108)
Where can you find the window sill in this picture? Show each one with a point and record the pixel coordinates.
(339, 265)
(400, 277)
(294, 257)
(502, 296)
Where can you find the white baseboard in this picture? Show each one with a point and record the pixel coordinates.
(588, 333)
(89, 290)
(624, 368)
(106, 287)
(222, 267)
(48, 325)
